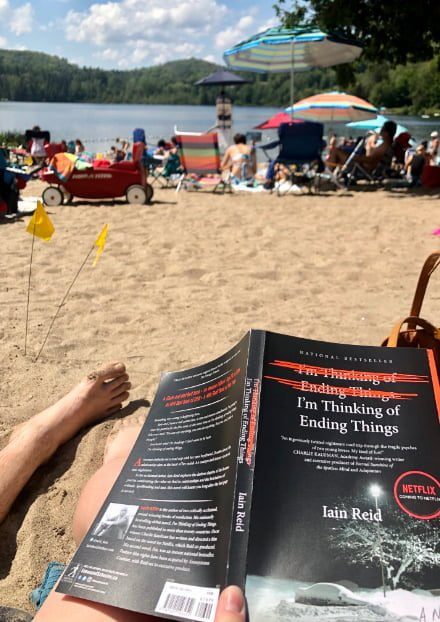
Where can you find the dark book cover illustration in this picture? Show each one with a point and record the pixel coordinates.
(304, 471)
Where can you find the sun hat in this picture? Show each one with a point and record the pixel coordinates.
(434, 134)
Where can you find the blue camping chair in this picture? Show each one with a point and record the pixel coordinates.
(300, 148)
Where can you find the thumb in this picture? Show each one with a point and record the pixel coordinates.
(231, 605)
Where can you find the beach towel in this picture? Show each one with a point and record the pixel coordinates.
(53, 572)
(63, 164)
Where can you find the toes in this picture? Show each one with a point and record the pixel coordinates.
(123, 388)
(116, 383)
(113, 409)
(107, 372)
(121, 397)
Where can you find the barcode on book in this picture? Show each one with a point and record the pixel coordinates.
(189, 602)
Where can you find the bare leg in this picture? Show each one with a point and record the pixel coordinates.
(336, 157)
(58, 607)
(35, 441)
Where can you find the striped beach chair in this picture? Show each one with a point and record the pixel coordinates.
(200, 160)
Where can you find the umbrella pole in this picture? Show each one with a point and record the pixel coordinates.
(292, 78)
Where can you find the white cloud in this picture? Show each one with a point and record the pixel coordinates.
(230, 36)
(3, 42)
(272, 22)
(111, 22)
(146, 34)
(127, 33)
(17, 20)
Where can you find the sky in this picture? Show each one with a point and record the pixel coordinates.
(122, 34)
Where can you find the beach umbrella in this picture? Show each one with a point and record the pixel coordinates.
(275, 121)
(221, 78)
(375, 125)
(278, 50)
(333, 107)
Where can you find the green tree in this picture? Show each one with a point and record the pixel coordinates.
(393, 31)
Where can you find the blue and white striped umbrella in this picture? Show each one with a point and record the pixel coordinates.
(278, 50)
(375, 124)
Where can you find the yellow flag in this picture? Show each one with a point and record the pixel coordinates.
(100, 243)
(40, 224)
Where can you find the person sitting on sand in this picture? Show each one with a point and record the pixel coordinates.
(162, 149)
(382, 153)
(415, 164)
(240, 159)
(32, 443)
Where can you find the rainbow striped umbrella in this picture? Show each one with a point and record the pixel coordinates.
(279, 50)
(333, 107)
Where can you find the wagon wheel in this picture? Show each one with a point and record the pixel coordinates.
(136, 194)
(52, 196)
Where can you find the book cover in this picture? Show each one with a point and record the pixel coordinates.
(305, 471)
(346, 505)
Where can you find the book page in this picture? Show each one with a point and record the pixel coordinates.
(346, 502)
(160, 543)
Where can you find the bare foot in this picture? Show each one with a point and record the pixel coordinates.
(98, 395)
(34, 442)
(121, 439)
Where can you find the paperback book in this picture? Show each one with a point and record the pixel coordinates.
(306, 472)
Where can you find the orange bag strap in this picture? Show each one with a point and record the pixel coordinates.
(431, 263)
(413, 322)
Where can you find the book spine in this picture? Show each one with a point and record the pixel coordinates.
(238, 543)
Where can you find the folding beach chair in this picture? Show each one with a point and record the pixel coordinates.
(166, 175)
(300, 148)
(383, 173)
(200, 161)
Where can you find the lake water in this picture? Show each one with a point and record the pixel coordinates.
(98, 125)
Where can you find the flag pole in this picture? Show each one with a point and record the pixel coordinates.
(63, 301)
(29, 292)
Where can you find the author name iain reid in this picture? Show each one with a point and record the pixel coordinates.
(371, 515)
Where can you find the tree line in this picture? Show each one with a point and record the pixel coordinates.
(409, 87)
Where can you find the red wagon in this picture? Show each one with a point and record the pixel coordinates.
(126, 178)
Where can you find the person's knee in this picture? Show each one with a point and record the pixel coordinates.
(93, 496)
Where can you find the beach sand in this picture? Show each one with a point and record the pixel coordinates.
(180, 282)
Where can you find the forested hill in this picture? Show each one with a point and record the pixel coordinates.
(34, 76)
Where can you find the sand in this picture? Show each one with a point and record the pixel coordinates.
(179, 282)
